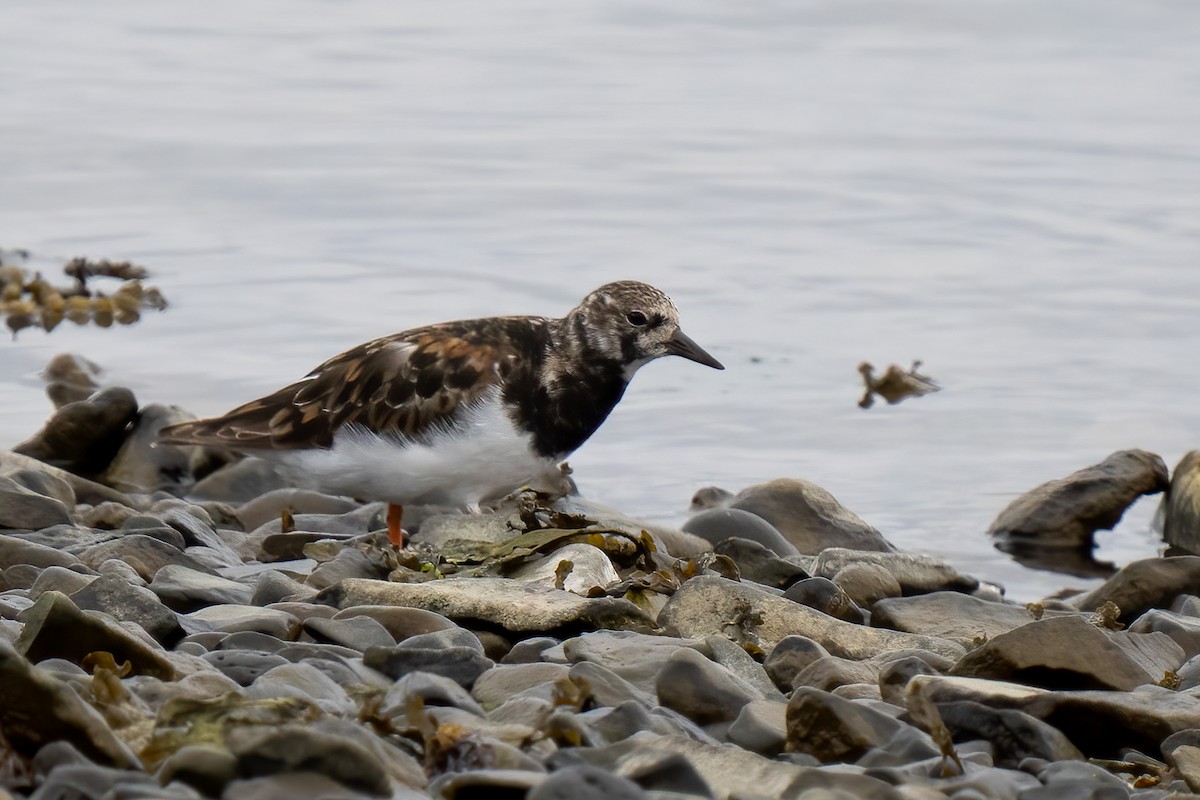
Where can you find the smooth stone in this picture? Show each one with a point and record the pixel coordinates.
(303, 611)
(399, 621)
(590, 568)
(86, 491)
(1181, 505)
(44, 483)
(500, 683)
(36, 709)
(809, 517)
(827, 597)
(949, 615)
(718, 524)
(20, 576)
(248, 640)
(292, 748)
(126, 602)
(141, 465)
(186, 589)
(347, 564)
(84, 437)
(1142, 585)
(1070, 653)
(830, 672)
(1183, 630)
(916, 574)
(357, 633)
(584, 782)
(704, 606)
(791, 656)
(14, 551)
(895, 675)
(1014, 735)
(529, 651)
(207, 768)
(711, 497)
(238, 482)
(761, 727)
(867, 583)
(231, 618)
(433, 690)
(1066, 513)
(59, 579)
(25, 509)
(1076, 780)
(494, 600)
(276, 547)
(107, 515)
(306, 682)
(146, 554)
(700, 689)
(450, 637)
(270, 505)
(119, 569)
(88, 781)
(502, 784)
(833, 729)
(463, 665)
(56, 628)
(70, 377)
(635, 657)
(356, 522)
(243, 666)
(756, 563)
(273, 586)
(742, 665)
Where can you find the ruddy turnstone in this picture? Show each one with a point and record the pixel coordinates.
(458, 412)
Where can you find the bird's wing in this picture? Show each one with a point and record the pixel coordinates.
(405, 384)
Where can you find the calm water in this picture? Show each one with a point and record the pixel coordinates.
(1007, 190)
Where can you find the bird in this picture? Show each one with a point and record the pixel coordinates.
(456, 412)
(895, 385)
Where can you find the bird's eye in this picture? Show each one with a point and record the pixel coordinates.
(636, 318)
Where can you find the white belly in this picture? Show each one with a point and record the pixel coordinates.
(483, 456)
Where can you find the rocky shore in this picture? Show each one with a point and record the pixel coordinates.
(176, 623)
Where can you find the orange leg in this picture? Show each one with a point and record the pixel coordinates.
(395, 533)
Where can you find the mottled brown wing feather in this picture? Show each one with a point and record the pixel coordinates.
(403, 384)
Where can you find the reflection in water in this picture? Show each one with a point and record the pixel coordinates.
(1062, 560)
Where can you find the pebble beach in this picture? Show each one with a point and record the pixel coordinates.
(180, 623)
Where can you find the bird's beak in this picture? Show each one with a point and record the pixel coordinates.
(682, 345)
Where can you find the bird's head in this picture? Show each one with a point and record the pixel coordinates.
(634, 323)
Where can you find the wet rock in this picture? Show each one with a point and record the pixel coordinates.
(916, 574)
(186, 589)
(37, 708)
(293, 748)
(15, 551)
(207, 768)
(589, 568)
(231, 618)
(86, 491)
(400, 622)
(827, 597)
(633, 656)
(718, 524)
(757, 563)
(950, 615)
(70, 378)
(585, 783)
(83, 437)
(142, 466)
(243, 666)
(495, 600)
(115, 596)
(709, 605)
(56, 628)
(463, 665)
(146, 554)
(357, 633)
(789, 658)
(1070, 653)
(238, 482)
(22, 508)
(834, 730)
(830, 672)
(500, 683)
(701, 690)
(866, 583)
(1014, 735)
(1183, 630)
(1065, 513)
(268, 506)
(1143, 585)
(305, 682)
(1181, 506)
(809, 517)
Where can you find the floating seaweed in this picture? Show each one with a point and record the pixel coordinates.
(896, 384)
(30, 301)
